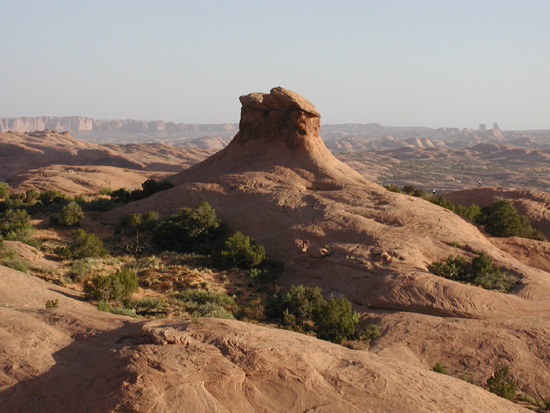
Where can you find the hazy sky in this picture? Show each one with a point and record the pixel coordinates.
(397, 62)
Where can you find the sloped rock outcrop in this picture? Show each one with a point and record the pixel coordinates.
(277, 182)
(78, 359)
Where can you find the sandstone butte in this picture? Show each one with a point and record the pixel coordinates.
(277, 182)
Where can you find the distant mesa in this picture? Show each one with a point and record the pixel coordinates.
(120, 131)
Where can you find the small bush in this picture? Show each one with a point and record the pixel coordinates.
(465, 378)
(149, 187)
(240, 251)
(52, 197)
(368, 333)
(114, 287)
(303, 302)
(81, 269)
(121, 195)
(205, 303)
(253, 311)
(190, 230)
(440, 368)
(15, 225)
(4, 191)
(99, 205)
(31, 196)
(502, 384)
(11, 260)
(480, 272)
(122, 311)
(502, 220)
(266, 272)
(150, 217)
(52, 303)
(71, 215)
(393, 188)
(84, 245)
(131, 220)
(149, 306)
(304, 309)
(336, 321)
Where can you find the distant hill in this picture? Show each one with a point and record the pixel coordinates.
(347, 137)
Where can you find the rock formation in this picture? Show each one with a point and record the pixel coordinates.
(75, 358)
(277, 182)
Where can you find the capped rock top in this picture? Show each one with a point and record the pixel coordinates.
(277, 99)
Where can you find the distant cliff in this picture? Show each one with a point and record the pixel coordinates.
(74, 124)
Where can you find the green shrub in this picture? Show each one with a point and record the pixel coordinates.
(289, 322)
(122, 311)
(117, 286)
(502, 220)
(266, 272)
(52, 197)
(4, 190)
(304, 309)
(11, 260)
(149, 187)
(99, 205)
(253, 311)
(15, 225)
(131, 220)
(240, 251)
(150, 217)
(81, 269)
(149, 306)
(303, 302)
(71, 215)
(502, 384)
(103, 305)
(105, 191)
(52, 303)
(84, 245)
(454, 268)
(336, 321)
(190, 230)
(16, 264)
(480, 272)
(393, 188)
(368, 333)
(205, 303)
(31, 196)
(440, 368)
(465, 378)
(121, 195)
(408, 189)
